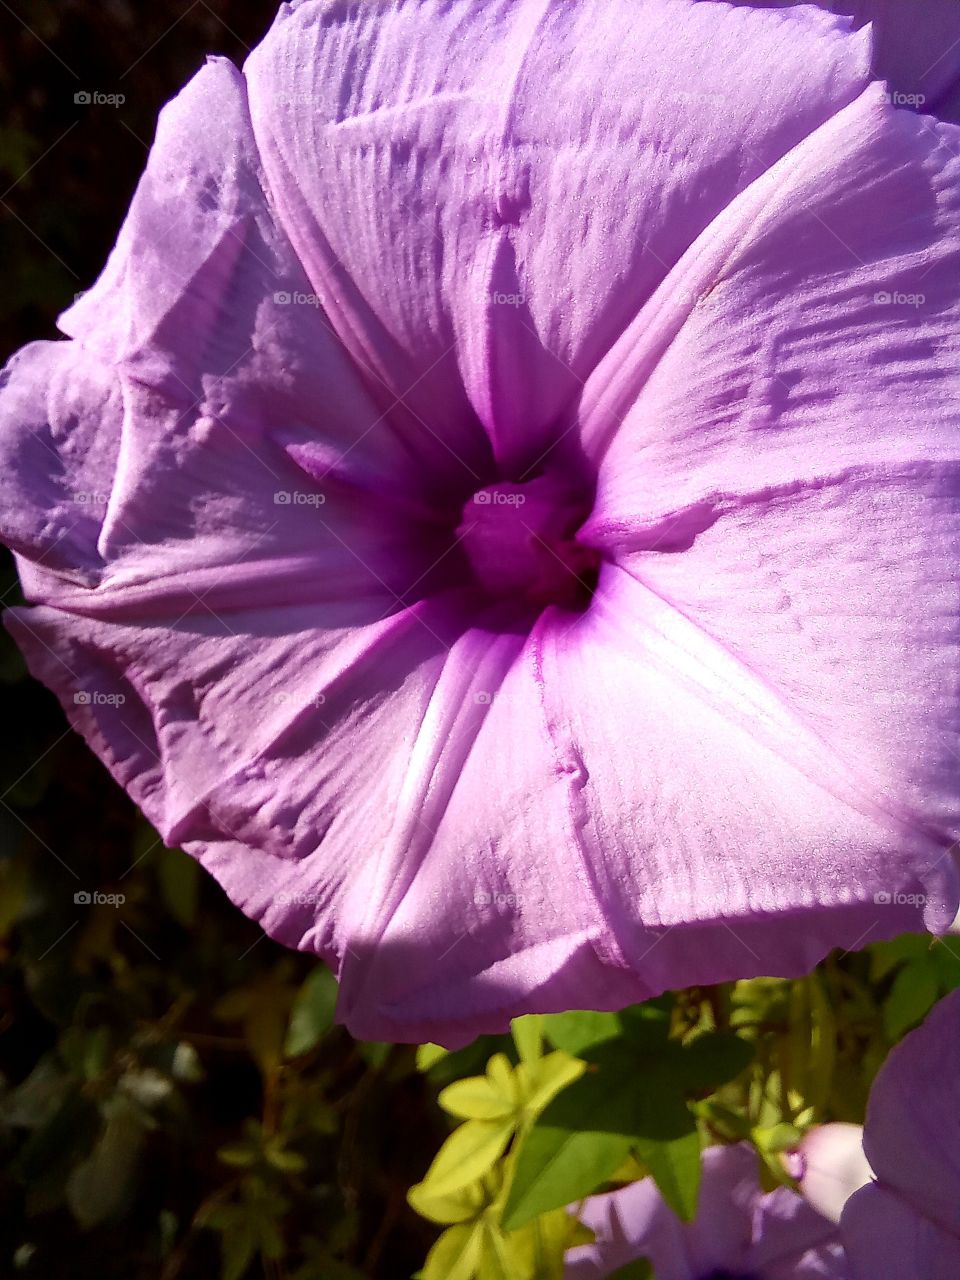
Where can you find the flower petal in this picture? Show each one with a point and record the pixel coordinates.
(916, 47)
(912, 1132)
(884, 1236)
(793, 1242)
(484, 195)
(60, 422)
(724, 841)
(834, 1167)
(787, 477)
(203, 300)
(737, 1229)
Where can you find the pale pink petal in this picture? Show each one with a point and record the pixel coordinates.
(833, 1167)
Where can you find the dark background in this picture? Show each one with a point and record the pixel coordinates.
(159, 1117)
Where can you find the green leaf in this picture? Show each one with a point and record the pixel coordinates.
(312, 1014)
(648, 1025)
(97, 1186)
(912, 996)
(580, 1029)
(947, 960)
(579, 1140)
(714, 1058)
(588, 1130)
(540, 1082)
(640, 1269)
(238, 1245)
(179, 876)
(374, 1052)
(675, 1166)
(887, 956)
(528, 1036)
(467, 1155)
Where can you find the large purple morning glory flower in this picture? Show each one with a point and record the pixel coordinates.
(499, 508)
(904, 1223)
(739, 1232)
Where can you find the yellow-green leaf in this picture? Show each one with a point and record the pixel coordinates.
(528, 1036)
(540, 1245)
(456, 1255)
(476, 1098)
(540, 1082)
(497, 1259)
(467, 1155)
(428, 1055)
(463, 1206)
(501, 1077)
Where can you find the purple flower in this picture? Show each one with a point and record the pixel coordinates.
(739, 1233)
(916, 48)
(904, 1223)
(499, 506)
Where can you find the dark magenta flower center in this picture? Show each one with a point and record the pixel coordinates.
(520, 543)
